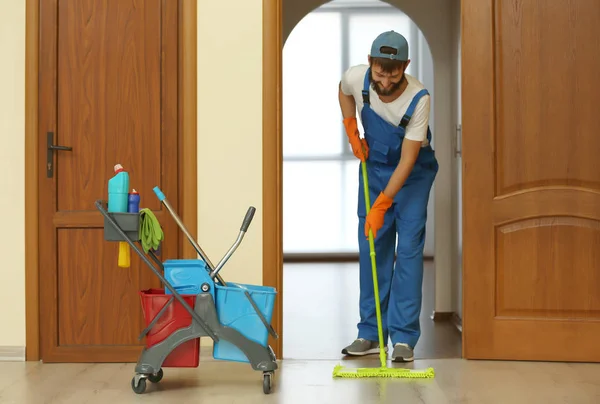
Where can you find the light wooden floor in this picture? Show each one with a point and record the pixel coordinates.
(320, 312)
(304, 382)
(309, 381)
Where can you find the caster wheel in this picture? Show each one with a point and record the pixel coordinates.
(267, 380)
(141, 387)
(156, 378)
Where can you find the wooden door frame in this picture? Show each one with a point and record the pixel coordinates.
(188, 181)
(272, 155)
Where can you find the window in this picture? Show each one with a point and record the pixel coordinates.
(320, 173)
(311, 72)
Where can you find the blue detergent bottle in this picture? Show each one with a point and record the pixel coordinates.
(134, 202)
(118, 190)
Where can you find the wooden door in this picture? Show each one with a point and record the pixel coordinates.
(531, 194)
(108, 89)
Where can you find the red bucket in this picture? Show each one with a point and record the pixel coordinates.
(186, 355)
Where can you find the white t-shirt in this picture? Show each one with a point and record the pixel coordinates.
(352, 84)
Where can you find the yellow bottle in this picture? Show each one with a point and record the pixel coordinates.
(124, 255)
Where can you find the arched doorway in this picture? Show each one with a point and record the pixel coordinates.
(438, 20)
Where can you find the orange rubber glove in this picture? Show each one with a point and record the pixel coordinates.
(374, 219)
(359, 146)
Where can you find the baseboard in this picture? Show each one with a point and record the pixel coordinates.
(441, 315)
(457, 321)
(326, 257)
(319, 257)
(12, 354)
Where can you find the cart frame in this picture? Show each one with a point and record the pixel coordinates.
(205, 321)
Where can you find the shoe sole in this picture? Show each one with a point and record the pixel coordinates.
(400, 359)
(363, 353)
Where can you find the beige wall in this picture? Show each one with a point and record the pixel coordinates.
(12, 154)
(229, 179)
(230, 112)
(230, 134)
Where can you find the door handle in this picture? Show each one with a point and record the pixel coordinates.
(50, 154)
(55, 147)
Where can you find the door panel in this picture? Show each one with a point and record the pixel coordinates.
(109, 95)
(108, 89)
(530, 191)
(95, 296)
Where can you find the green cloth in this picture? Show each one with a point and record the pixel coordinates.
(151, 233)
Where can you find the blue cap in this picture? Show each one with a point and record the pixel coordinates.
(390, 39)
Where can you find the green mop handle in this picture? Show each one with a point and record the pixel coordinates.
(373, 266)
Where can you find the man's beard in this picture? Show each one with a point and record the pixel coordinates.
(379, 90)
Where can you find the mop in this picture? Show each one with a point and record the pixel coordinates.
(383, 371)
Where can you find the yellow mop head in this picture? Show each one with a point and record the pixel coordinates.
(382, 371)
(340, 371)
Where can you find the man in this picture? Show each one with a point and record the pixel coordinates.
(401, 166)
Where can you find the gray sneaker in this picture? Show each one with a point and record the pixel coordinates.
(362, 347)
(402, 353)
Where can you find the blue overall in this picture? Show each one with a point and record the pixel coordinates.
(400, 287)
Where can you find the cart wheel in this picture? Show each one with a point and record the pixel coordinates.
(141, 387)
(156, 378)
(267, 377)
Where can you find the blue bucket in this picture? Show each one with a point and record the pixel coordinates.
(234, 310)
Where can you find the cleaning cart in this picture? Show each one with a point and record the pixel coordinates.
(235, 316)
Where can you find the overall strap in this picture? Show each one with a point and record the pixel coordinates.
(366, 86)
(411, 108)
